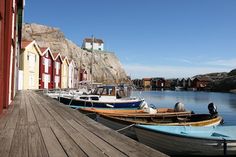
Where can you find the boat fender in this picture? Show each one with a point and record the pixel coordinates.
(109, 105)
(151, 110)
(212, 109)
(179, 107)
(143, 105)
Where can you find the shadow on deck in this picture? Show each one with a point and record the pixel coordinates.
(37, 125)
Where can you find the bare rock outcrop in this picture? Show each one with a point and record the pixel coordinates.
(222, 81)
(106, 66)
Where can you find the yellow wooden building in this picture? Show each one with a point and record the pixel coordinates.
(64, 72)
(146, 82)
(29, 65)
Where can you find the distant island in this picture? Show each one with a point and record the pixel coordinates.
(216, 82)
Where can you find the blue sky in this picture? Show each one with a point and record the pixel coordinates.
(152, 38)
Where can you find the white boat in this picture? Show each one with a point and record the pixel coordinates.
(179, 88)
(57, 93)
(102, 97)
(188, 140)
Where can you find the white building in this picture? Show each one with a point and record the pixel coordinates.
(98, 44)
(71, 74)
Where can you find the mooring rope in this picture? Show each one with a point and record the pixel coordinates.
(71, 100)
(59, 97)
(225, 146)
(124, 128)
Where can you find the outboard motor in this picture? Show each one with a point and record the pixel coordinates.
(212, 109)
(179, 107)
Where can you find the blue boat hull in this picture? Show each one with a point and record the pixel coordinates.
(67, 101)
(188, 140)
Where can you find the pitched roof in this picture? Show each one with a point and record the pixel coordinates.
(90, 40)
(25, 43)
(147, 79)
(43, 49)
(64, 58)
(55, 55)
(71, 61)
(83, 71)
(157, 78)
(204, 79)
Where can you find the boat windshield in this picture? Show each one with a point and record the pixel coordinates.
(119, 92)
(105, 90)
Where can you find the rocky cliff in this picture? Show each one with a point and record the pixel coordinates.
(214, 76)
(222, 82)
(106, 66)
(226, 84)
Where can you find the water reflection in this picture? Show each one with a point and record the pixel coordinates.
(195, 101)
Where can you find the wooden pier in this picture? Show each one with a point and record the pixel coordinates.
(38, 126)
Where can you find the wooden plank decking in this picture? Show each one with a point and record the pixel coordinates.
(38, 126)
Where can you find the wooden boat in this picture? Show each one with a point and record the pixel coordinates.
(143, 109)
(123, 110)
(124, 122)
(188, 140)
(103, 97)
(171, 118)
(93, 112)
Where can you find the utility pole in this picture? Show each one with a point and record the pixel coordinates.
(80, 66)
(91, 67)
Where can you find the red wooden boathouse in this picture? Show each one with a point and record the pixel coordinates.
(10, 39)
(46, 69)
(57, 70)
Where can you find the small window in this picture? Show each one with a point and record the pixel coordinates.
(84, 98)
(99, 49)
(94, 98)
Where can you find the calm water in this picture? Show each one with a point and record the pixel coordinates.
(195, 101)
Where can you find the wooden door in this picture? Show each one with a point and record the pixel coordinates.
(46, 80)
(32, 60)
(31, 80)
